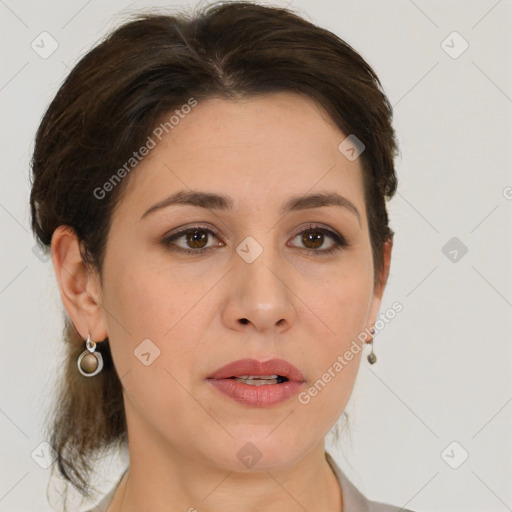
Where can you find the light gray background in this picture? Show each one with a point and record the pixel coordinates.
(444, 363)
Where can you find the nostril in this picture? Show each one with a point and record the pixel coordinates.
(244, 320)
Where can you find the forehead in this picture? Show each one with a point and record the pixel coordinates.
(258, 148)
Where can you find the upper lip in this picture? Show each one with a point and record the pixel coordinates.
(259, 368)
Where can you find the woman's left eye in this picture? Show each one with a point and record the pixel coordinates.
(316, 237)
(196, 239)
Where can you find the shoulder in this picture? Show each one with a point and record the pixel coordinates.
(352, 497)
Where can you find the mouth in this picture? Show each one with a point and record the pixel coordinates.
(256, 383)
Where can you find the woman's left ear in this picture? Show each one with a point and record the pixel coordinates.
(380, 284)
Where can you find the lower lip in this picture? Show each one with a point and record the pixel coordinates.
(257, 396)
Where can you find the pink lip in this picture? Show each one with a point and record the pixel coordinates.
(258, 396)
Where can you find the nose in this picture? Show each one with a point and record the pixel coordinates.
(259, 297)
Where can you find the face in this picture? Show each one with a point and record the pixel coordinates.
(187, 289)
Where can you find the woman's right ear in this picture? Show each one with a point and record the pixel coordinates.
(79, 286)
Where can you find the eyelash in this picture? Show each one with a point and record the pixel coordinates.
(339, 240)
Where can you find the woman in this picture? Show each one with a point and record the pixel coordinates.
(213, 192)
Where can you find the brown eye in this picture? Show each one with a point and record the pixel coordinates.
(313, 238)
(192, 240)
(196, 239)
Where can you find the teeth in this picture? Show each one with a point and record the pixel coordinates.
(256, 381)
(250, 377)
(260, 380)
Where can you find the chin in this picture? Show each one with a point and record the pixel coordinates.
(262, 450)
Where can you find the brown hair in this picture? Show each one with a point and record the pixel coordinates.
(113, 99)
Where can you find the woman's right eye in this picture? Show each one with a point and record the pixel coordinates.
(195, 237)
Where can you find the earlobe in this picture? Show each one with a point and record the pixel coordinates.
(78, 285)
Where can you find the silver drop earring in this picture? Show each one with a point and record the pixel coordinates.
(372, 358)
(90, 363)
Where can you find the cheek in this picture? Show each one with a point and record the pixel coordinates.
(342, 304)
(343, 298)
(148, 295)
(335, 360)
(151, 340)
(147, 300)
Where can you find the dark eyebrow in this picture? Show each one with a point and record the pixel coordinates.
(212, 201)
(202, 199)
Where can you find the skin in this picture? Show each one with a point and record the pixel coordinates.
(184, 435)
